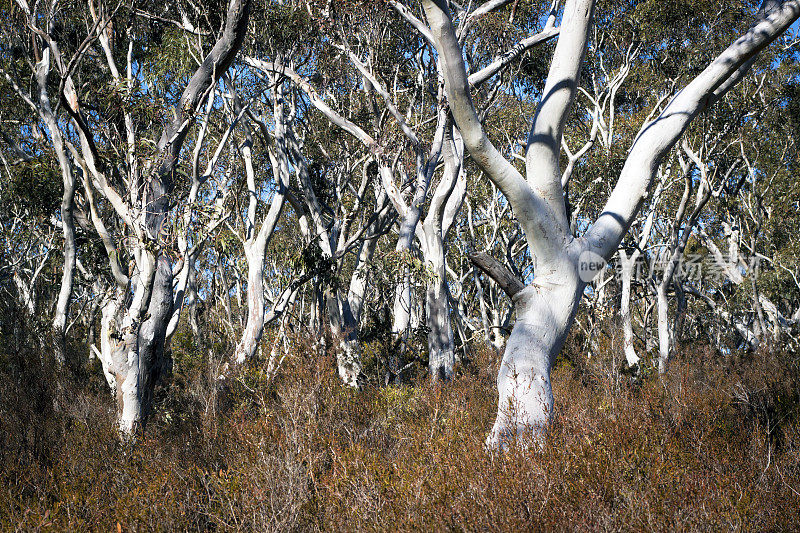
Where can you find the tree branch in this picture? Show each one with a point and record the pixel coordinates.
(658, 137)
(499, 273)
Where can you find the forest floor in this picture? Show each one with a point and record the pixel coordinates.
(714, 445)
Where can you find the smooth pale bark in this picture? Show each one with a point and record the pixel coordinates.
(445, 205)
(132, 340)
(441, 346)
(193, 304)
(134, 328)
(61, 314)
(255, 245)
(432, 242)
(546, 308)
(68, 273)
(410, 217)
(545, 311)
(658, 137)
(679, 238)
(627, 265)
(254, 328)
(665, 333)
(529, 208)
(500, 323)
(344, 327)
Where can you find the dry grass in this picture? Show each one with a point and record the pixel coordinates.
(713, 446)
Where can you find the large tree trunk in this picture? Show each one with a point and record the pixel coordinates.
(441, 347)
(132, 341)
(545, 312)
(345, 328)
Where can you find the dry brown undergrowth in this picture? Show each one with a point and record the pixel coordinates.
(713, 446)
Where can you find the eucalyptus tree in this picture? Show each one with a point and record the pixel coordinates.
(546, 307)
(400, 80)
(30, 195)
(39, 100)
(99, 138)
(487, 67)
(257, 233)
(341, 209)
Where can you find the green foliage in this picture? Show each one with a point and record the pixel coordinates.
(168, 70)
(34, 188)
(280, 26)
(311, 259)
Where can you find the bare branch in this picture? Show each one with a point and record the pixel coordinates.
(507, 281)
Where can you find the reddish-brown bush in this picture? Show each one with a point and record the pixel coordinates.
(714, 445)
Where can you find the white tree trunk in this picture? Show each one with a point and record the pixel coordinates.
(445, 205)
(546, 308)
(545, 311)
(402, 295)
(441, 347)
(255, 245)
(68, 273)
(345, 328)
(254, 328)
(498, 325)
(664, 330)
(67, 200)
(192, 304)
(132, 341)
(627, 266)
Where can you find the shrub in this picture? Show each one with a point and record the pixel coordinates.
(713, 445)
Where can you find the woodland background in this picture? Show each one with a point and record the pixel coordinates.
(677, 395)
